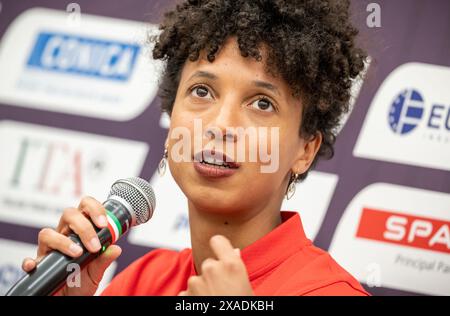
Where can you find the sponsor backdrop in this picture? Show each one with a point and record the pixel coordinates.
(78, 109)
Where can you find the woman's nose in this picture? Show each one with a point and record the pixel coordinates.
(226, 134)
(223, 123)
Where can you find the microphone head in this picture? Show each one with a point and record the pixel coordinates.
(138, 194)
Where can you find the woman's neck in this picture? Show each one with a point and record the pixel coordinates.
(240, 230)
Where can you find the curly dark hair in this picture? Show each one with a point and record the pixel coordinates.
(311, 44)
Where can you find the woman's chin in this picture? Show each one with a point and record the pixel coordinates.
(214, 201)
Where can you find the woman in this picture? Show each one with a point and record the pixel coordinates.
(285, 67)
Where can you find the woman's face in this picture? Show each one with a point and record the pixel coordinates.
(212, 99)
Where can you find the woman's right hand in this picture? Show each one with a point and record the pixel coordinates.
(75, 220)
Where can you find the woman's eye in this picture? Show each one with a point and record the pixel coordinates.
(263, 105)
(201, 92)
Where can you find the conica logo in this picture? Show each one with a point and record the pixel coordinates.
(83, 56)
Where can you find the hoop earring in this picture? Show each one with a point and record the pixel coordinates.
(291, 188)
(163, 163)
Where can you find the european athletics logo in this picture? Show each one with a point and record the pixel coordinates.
(406, 111)
(408, 120)
(91, 57)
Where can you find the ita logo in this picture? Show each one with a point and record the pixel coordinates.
(406, 111)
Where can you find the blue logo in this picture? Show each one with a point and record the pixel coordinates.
(9, 274)
(64, 53)
(406, 111)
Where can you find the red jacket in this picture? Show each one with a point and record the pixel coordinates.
(284, 262)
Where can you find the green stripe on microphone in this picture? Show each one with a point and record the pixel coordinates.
(116, 221)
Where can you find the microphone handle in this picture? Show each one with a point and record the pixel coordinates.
(52, 271)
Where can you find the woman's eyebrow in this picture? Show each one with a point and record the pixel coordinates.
(203, 74)
(257, 83)
(266, 85)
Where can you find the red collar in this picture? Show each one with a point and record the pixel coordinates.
(271, 250)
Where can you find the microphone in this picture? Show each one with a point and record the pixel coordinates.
(130, 203)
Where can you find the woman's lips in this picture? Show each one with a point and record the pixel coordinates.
(211, 171)
(207, 163)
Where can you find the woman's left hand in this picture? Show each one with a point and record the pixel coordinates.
(222, 277)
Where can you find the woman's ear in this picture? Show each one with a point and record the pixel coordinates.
(306, 153)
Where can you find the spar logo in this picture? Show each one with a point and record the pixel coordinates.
(406, 230)
(92, 57)
(406, 111)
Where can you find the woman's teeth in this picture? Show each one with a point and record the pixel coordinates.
(215, 163)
